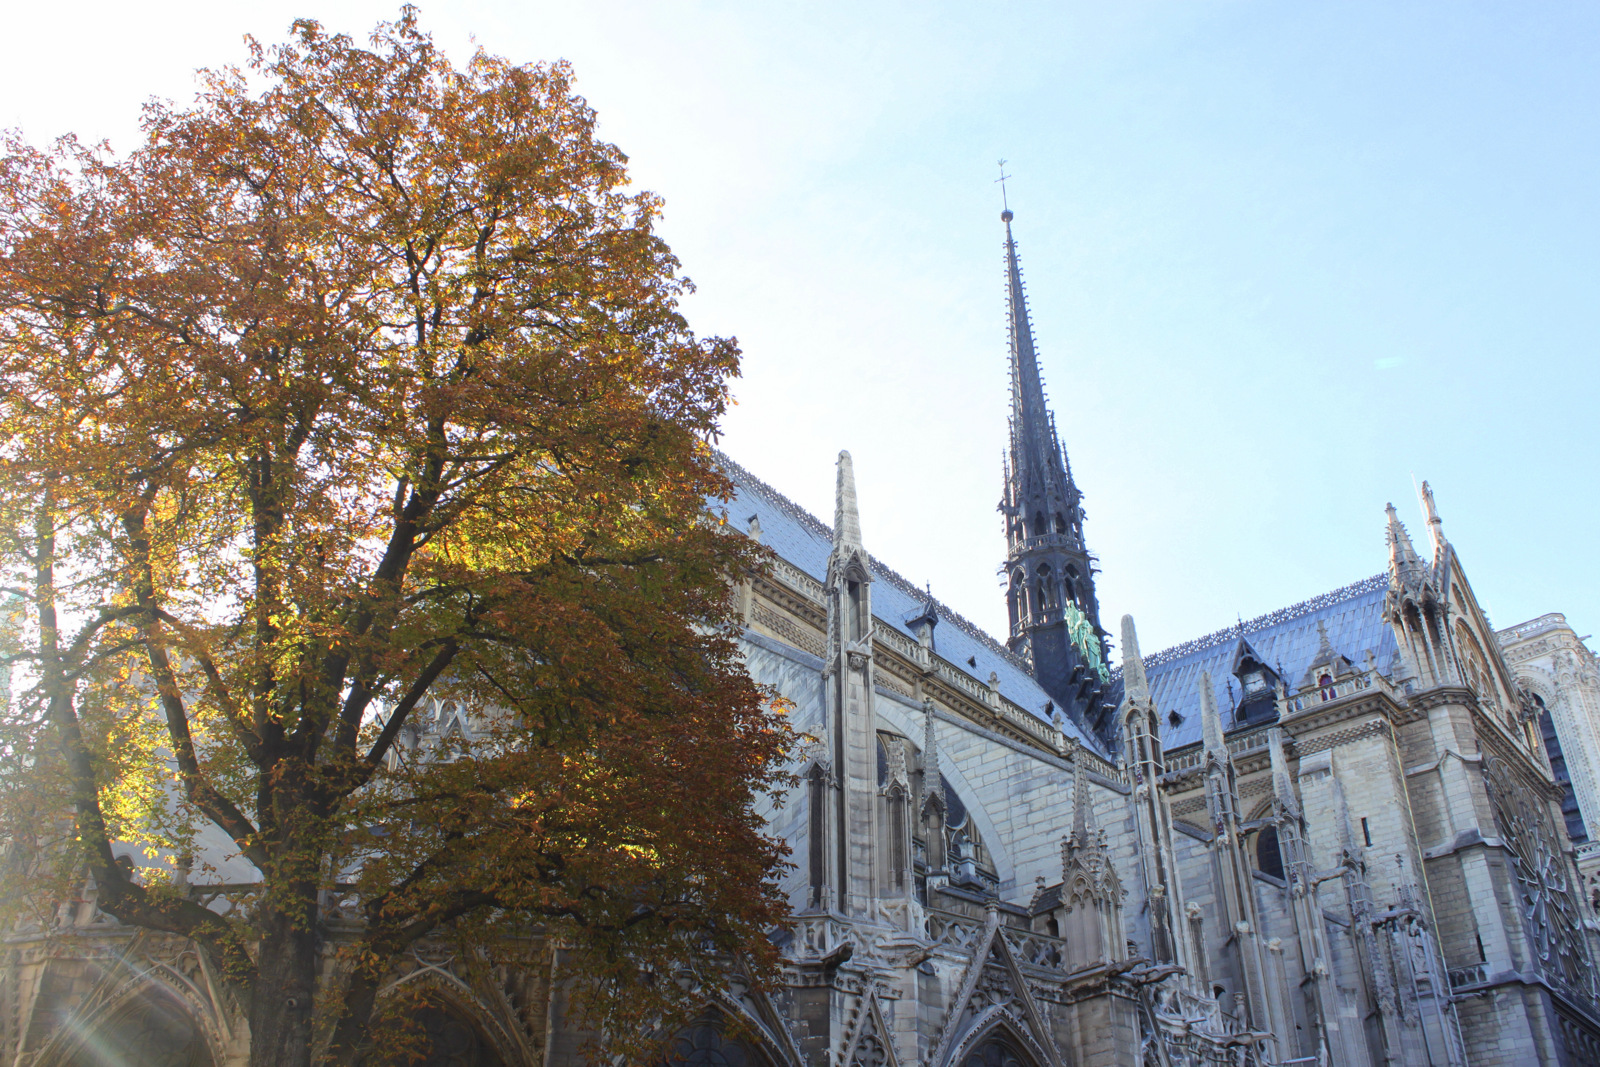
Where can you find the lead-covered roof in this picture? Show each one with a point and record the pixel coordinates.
(805, 541)
(1286, 641)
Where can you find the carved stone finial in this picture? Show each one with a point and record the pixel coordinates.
(1431, 510)
(1134, 681)
(846, 518)
(1210, 718)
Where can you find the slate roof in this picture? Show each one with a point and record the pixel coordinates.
(1286, 639)
(805, 541)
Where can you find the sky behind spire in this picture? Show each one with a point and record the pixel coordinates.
(1289, 257)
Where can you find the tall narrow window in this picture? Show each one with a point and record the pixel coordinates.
(818, 793)
(1047, 589)
(896, 803)
(1577, 832)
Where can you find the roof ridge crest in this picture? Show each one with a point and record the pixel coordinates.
(883, 570)
(1270, 619)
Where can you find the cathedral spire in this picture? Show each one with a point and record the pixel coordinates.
(1033, 440)
(1054, 613)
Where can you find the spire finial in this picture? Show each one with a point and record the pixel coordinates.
(1134, 682)
(1324, 646)
(1082, 811)
(1435, 526)
(1210, 718)
(1403, 558)
(932, 778)
(846, 520)
(1005, 215)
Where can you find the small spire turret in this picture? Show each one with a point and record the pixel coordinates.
(1405, 565)
(1134, 682)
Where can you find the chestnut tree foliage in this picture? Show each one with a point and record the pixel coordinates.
(361, 385)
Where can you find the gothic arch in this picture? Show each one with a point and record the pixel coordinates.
(147, 1024)
(997, 1039)
(1538, 680)
(449, 1036)
(726, 1034)
(437, 985)
(761, 1017)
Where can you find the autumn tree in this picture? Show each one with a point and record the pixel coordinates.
(359, 387)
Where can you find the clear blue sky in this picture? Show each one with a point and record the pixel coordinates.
(1283, 258)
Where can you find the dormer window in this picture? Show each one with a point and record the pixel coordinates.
(1257, 684)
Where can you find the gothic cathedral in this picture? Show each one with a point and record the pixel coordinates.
(1342, 833)
(1352, 831)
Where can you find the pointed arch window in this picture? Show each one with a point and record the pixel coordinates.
(1269, 857)
(895, 805)
(853, 595)
(1061, 524)
(1039, 528)
(997, 1051)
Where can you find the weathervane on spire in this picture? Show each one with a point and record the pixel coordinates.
(1006, 214)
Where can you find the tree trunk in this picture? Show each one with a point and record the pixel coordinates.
(280, 1009)
(352, 1042)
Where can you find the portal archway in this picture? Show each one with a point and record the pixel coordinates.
(437, 1034)
(997, 1050)
(711, 1042)
(149, 1031)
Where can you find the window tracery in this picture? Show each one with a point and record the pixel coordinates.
(1543, 879)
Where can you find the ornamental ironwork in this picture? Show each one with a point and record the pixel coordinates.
(1544, 880)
